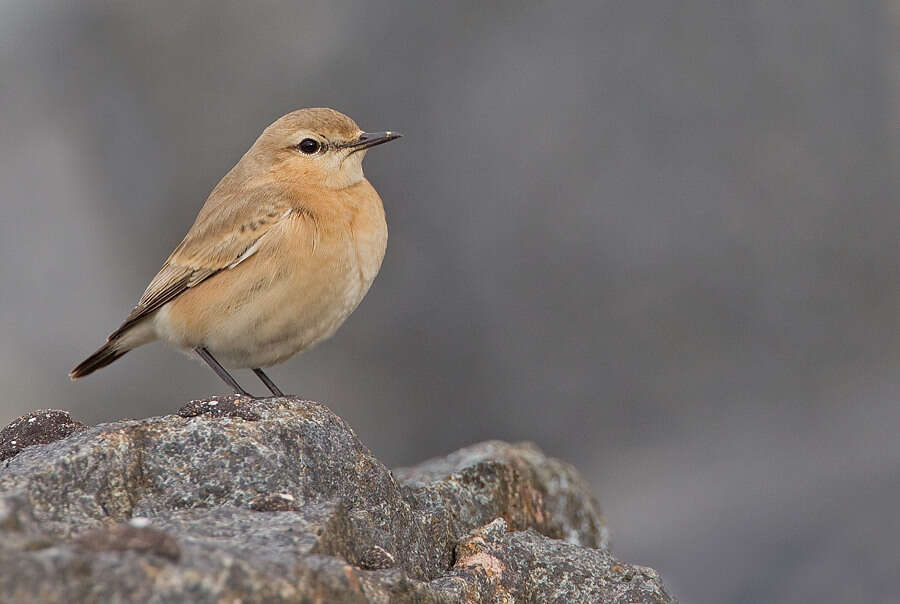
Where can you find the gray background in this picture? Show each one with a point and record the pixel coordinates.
(660, 239)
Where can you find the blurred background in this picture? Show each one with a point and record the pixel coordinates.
(658, 239)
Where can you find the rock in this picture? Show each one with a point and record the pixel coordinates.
(497, 565)
(233, 405)
(277, 500)
(37, 428)
(135, 536)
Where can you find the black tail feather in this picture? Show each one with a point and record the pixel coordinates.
(108, 353)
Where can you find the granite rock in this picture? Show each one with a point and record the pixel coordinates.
(277, 500)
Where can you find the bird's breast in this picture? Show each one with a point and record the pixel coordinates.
(302, 283)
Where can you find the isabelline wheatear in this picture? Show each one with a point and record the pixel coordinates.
(281, 253)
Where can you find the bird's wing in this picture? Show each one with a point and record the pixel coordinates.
(226, 232)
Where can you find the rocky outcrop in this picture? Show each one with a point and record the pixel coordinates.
(277, 500)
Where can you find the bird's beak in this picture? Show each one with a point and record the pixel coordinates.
(367, 140)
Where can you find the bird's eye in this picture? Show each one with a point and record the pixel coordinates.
(309, 146)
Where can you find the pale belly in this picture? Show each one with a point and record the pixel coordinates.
(268, 309)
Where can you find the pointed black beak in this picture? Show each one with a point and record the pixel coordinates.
(371, 139)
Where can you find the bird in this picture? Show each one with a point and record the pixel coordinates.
(284, 249)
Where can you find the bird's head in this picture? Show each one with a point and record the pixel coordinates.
(317, 146)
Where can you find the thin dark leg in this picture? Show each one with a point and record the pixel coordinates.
(220, 371)
(268, 382)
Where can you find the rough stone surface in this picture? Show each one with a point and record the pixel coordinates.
(37, 428)
(276, 500)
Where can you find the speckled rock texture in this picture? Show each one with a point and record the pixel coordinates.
(37, 428)
(276, 500)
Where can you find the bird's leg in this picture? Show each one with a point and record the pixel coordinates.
(268, 382)
(220, 371)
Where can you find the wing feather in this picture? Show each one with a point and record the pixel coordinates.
(224, 235)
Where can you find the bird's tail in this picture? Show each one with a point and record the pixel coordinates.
(117, 345)
(107, 353)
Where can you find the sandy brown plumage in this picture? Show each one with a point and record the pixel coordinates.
(284, 248)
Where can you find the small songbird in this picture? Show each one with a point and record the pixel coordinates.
(281, 253)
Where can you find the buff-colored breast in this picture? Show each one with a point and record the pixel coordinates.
(300, 285)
